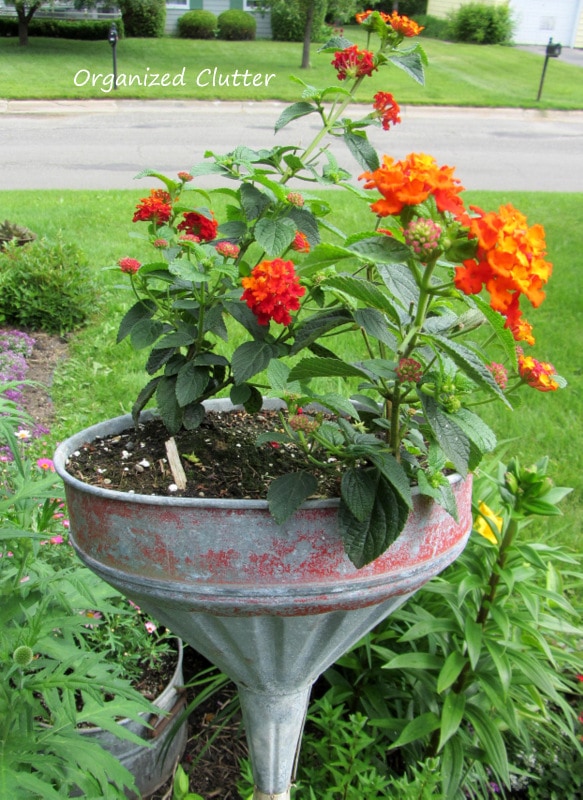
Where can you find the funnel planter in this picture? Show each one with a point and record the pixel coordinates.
(272, 606)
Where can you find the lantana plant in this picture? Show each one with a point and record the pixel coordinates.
(424, 297)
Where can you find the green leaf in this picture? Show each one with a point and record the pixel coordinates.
(251, 358)
(450, 671)
(490, 740)
(295, 111)
(157, 359)
(145, 332)
(394, 473)
(191, 382)
(366, 540)
(182, 337)
(358, 490)
(187, 271)
(374, 323)
(143, 309)
(168, 407)
(452, 767)
(144, 397)
(471, 364)
(419, 728)
(411, 63)
(275, 235)
(305, 222)
(315, 367)
(400, 283)
(382, 249)
(361, 290)
(253, 201)
(287, 493)
(497, 324)
(473, 637)
(451, 716)
(413, 660)
(193, 415)
(324, 255)
(454, 443)
(361, 149)
(316, 326)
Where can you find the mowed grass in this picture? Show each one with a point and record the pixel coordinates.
(101, 379)
(458, 74)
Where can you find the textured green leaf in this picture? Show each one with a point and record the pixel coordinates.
(145, 332)
(497, 324)
(180, 338)
(362, 149)
(275, 235)
(144, 397)
(324, 255)
(454, 443)
(361, 290)
(287, 493)
(187, 271)
(375, 324)
(191, 382)
(411, 63)
(400, 282)
(295, 111)
(314, 327)
(471, 364)
(251, 358)
(168, 406)
(451, 716)
(157, 359)
(253, 201)
(315, 367)
(305, 222)
(358, 491)
(382, 249)
(143, 309)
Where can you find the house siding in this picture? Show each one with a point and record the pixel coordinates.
(217, 7)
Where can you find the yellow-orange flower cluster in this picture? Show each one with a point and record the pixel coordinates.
(272, 291)
(538, 374)
(509, 263)
(398, 22)
(411, 181)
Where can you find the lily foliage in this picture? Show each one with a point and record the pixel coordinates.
(404, 296)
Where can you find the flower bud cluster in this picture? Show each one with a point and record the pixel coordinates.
(422, 236)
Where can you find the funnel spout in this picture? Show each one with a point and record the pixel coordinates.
(274, 724)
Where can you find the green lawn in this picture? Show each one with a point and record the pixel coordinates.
(458, 74)
(101, 378)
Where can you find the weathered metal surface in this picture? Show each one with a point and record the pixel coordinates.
(231, 557)
(272, 606)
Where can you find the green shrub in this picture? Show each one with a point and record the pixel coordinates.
(197, 24)
(433, 27)
(236, 25)
(478, 23)
(288, 21)
(341, 12)
(83, 29)
(44, 286)
(143, 18)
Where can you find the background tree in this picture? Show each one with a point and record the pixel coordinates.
(25, 11)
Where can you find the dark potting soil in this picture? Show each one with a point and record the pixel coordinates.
(220, 459)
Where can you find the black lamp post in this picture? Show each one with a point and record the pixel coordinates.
(552, 51)
(112, 38)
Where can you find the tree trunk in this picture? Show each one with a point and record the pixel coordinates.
(308, 35)
(22, 30)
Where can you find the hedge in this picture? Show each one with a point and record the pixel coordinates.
(86, 29)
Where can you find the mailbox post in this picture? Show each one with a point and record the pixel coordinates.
(552, 51)
(112, 38)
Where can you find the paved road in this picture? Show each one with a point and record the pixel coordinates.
(104, 144)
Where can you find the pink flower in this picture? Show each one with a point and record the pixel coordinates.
(129, 265)
(56, 539)
(150, 627)
(46, 464)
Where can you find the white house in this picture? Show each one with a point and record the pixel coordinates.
(536, 21)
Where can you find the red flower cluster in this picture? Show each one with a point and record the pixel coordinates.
(129, 265)
(228, 249)
(272, 291)
(196, 224)
(156, 208)
(352, 62)
(509, 262)
(300, 243)
(538, 374)
(387, 108)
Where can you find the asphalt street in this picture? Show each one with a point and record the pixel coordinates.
(103, 144)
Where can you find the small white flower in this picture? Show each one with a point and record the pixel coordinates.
(22, 435)
(173, 487)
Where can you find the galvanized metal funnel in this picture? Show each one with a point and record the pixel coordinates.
(272, 606)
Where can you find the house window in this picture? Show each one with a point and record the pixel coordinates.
(250, 5)
(177, 4)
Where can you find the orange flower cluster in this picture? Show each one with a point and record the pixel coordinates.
(509, 263)
(538, 374)
(196, 224)
(156, 208)
(398, 22)
(387, 108)
(352, 62)
(411, 181)
(272, 291)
